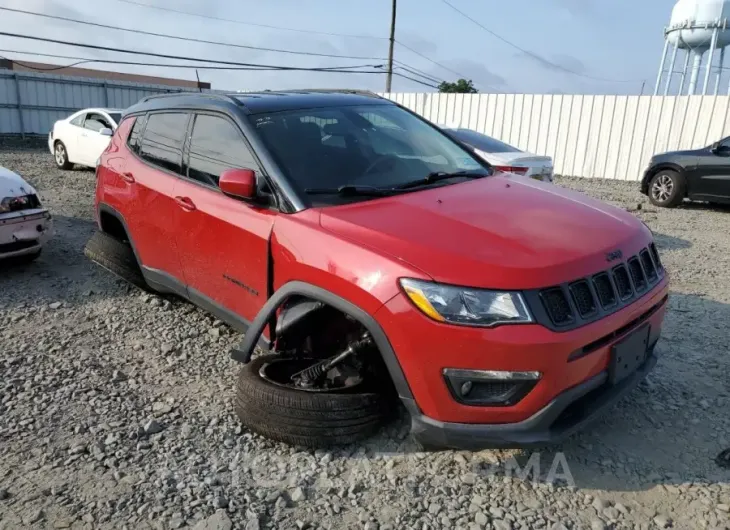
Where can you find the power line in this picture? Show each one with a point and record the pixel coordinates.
(418, 72)
(233, 21)
(187, 39)
(532, 54)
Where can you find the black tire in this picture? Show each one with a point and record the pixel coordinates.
(116, 257)
(307, 419)
(667, 189)
(60, 155)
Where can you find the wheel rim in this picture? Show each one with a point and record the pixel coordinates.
(279, 372)
(662, 188)
(60, 155)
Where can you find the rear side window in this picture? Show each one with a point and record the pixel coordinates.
(135, 135)
(163, 139)
(216, 145)
(79, 120)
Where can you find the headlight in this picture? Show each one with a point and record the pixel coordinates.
(470, 307)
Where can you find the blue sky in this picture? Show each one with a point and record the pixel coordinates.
(616, 40)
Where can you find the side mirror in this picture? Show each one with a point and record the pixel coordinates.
(238, 183)
(106, 132)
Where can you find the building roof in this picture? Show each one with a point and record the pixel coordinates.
(29, 66)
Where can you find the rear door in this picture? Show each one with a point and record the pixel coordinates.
(90, 142)
(223, 242)
(149, 178)
(713, 173)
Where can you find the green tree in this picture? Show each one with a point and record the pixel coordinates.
(462, 86)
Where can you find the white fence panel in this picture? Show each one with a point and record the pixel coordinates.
(588, 136)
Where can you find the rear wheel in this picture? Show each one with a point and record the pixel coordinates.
(268, 404)
(117, 257)
(666, 189)
(60, 155)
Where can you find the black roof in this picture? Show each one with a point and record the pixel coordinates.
(258, 102)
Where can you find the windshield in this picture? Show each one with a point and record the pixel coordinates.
(116, 116)
(380, 146)
(482, 141)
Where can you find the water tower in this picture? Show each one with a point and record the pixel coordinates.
(699, 28)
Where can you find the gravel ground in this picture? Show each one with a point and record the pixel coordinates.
(115, 410)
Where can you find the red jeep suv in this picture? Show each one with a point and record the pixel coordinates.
(374, 258)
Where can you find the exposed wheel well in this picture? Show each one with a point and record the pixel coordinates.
(307, 326)
(111, 225)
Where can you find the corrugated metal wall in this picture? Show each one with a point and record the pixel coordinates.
(30, 103)
(588, 136)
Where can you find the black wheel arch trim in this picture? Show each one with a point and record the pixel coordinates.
(297, 288)
(656, 168)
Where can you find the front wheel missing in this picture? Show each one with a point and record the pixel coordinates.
(285, 371)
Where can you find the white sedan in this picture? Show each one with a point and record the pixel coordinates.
(504, 156)
(25, 225)
(82, 137)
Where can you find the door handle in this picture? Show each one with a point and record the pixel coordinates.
(185, 203)
(127, 177)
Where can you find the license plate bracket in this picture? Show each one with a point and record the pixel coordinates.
(628, 354)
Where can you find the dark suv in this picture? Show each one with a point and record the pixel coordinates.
(374, 257)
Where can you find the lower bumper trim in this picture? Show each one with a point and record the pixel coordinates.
(568, 413)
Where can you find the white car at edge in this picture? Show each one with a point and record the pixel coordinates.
(25, 225)
(82, 137)
(504, 156)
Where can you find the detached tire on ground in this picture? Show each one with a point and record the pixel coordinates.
(308, 419)
(115, 256)
(667, 189)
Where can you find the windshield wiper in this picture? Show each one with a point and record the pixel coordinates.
(439, 175)
(353, 190)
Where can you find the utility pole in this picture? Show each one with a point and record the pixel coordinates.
(389, 79)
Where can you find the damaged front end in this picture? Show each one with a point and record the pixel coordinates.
(25, 225)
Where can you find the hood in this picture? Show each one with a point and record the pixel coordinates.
(13, 185)
(500, 232)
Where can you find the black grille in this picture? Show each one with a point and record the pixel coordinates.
(583, 298)
(655, 255)
(637, 274)
(586, 300)
(557, 306)
(648, 265)
(623, 284)
(604, 290)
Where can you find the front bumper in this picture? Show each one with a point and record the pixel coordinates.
(23, 233)
(568, 413)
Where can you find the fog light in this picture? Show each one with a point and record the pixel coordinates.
(489, 387)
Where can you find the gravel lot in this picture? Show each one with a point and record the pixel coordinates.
(115, 410)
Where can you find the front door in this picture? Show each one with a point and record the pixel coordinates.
(223, 242)
(713, 172)
(90, 142)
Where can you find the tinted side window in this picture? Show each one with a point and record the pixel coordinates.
(725, 144)
(216, 145)
(135, 135)
(163, 140)
(79, 120)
